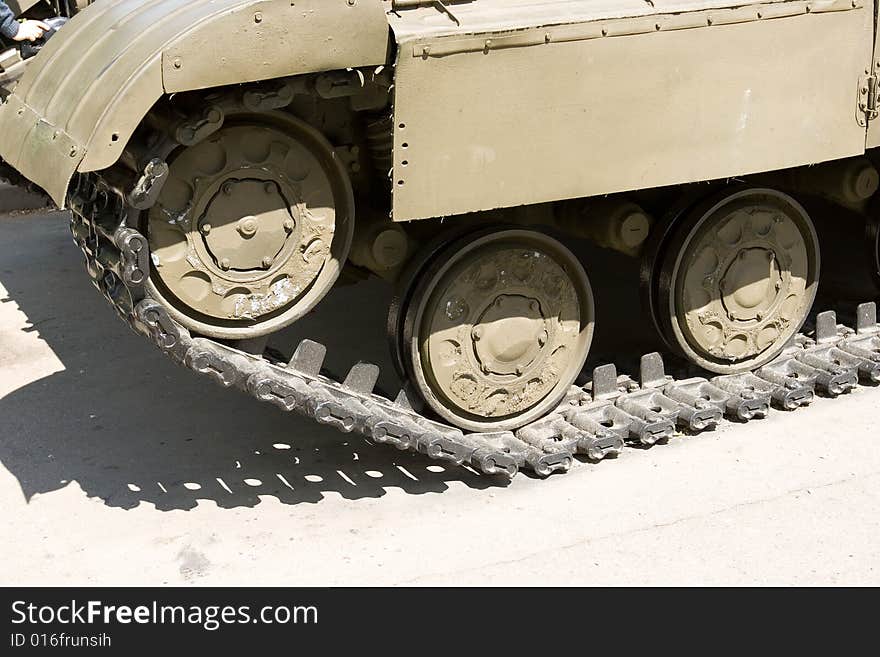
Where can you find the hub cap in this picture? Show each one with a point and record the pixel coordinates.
(741, 279)
(500, 329)
(249, 230)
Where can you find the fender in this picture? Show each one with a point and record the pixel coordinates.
(77, 106)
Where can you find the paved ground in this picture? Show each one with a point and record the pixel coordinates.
(117, 467)
(14, 199)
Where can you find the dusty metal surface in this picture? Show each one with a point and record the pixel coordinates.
(593, 107)
(94, 83)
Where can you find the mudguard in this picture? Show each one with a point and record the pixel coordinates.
(80, 102)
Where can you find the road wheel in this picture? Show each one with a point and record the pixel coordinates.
(495, 328)
(736, 279)
(252, 227)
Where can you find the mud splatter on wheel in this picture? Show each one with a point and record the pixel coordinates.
(252, 227)
(737, 279)
(496, 328)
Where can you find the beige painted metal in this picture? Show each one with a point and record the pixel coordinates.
(95, 81)
(549, 109)
(273, 39)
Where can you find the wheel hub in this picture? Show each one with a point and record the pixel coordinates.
(246, 225)
(510, 335)
(751, 284)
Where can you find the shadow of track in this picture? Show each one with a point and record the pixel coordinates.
(129, 426)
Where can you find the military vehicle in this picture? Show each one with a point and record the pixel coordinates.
(226, 160)
(15, 57)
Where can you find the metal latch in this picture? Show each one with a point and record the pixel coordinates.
(867, 99)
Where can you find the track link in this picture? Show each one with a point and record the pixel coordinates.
(594, 421)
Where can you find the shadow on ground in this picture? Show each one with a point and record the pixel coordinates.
(129, 426)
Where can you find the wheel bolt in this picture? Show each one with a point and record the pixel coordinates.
(544, 337)
(289, 225)
(477, 334)
(268, 261)
(227, 189)
(224, 264)
(534, 306)
(269, 187)
(247, 227)
(206, 228)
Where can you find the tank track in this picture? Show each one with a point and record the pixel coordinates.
(594, 421)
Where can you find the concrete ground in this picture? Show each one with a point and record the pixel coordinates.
(119, 468)
(16, 199)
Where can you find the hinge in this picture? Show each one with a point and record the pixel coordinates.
(868, 110)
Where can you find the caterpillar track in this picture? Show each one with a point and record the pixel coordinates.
(594, 421)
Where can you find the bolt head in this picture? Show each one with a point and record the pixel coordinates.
(268, 261)
(543, 338)
(225, 264)
(205, 228)
(289, 225)
(247, 227)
